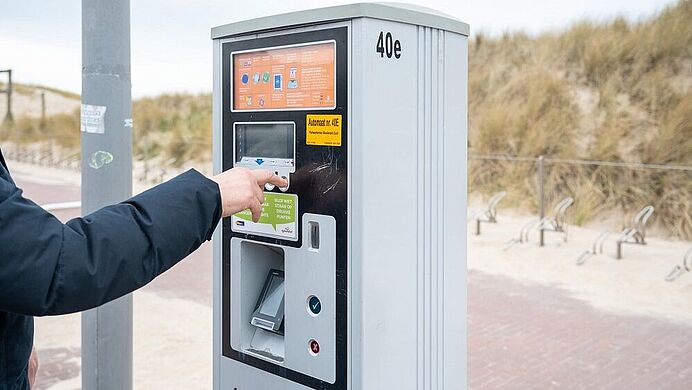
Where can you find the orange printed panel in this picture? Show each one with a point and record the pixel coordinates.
(296, 77)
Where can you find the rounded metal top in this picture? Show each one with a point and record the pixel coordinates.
(398, 12)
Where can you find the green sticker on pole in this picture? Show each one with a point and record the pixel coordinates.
(279, 218)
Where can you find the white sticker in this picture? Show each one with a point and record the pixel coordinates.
(93, 119)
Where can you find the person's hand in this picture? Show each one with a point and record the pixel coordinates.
(33, 367)
(242, 189)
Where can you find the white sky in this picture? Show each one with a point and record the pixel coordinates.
(171, 49)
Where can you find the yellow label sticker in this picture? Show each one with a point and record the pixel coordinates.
(323, 130)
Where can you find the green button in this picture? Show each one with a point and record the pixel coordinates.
(315, 305)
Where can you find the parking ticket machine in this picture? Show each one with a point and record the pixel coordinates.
(354, 277)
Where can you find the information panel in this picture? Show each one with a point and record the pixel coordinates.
(295, 77)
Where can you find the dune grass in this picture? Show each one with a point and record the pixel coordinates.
(615, 91)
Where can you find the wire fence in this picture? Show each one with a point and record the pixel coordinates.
(532, 182)
(148, 168)
(597, 186)
(620, 164)
(43, 154)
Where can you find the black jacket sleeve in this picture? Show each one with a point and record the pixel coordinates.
(47, 267)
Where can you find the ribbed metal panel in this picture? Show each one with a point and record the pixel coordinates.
(431, 126)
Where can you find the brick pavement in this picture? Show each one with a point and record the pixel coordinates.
(56, 365)
(521, 336)
(42, 193)
(527, 336)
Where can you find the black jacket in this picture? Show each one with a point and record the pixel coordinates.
(50, 268)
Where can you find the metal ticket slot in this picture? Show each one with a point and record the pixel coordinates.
(355, 275)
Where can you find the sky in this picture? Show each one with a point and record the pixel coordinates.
(171, 46)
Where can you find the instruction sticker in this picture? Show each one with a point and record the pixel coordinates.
(293, 77)
(323, 130)
(92, 119)
(279, 218)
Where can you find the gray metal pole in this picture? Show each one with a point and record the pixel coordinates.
(106, 176)
(541, 193)
(43, 110)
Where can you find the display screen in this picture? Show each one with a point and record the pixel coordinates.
(285, 78)
(266, 141)
(272, 300)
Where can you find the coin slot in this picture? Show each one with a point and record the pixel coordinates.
(314, 229)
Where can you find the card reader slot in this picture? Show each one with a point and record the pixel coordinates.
(314, 229)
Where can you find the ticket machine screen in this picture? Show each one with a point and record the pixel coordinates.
(265, 141)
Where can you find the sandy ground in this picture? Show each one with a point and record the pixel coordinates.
(634, 285)
(170, 336)
(29, 104)
(54, 176)
(44, 175)
(173, 314)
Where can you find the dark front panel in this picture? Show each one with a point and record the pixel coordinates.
(319, 181)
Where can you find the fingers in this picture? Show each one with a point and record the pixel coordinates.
(256, 209)
(33, 367)
(257, 202)
(264, 176)
(278, 181)
(259, 195)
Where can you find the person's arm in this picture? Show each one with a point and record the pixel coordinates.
(47, 267)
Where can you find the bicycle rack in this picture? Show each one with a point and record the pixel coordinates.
(558, 221)
(523, 234)
(598, 243)
(636, 234)
(554, 223)
(679, 270)
(490, 214)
